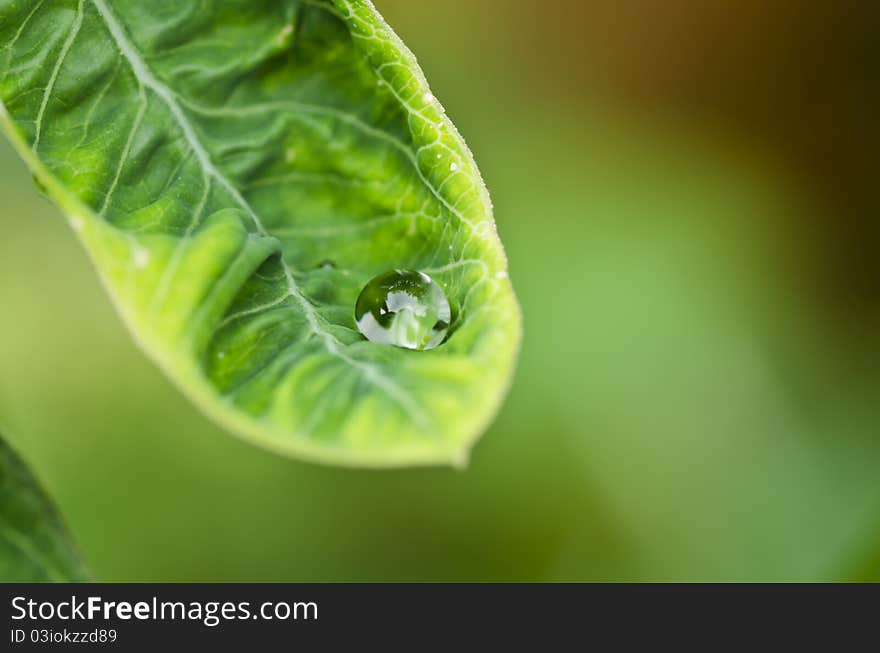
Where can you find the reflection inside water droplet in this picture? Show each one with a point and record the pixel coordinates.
(404, 308)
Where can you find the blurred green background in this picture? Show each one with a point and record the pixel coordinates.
(688, 195)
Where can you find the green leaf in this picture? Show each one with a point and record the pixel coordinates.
(238, 171)
(34, 545)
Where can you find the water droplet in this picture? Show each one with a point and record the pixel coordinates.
(326, 264)
(141, 257)
(453, 166)
(405, 308)
(285, 32)
(439, 156)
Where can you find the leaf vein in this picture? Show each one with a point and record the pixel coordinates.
(68, 42)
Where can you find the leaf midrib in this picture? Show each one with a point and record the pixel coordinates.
(333, 346)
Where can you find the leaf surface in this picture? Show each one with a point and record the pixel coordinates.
(238, 171)
(34, 545)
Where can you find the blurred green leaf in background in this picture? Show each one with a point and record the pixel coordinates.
(686, 201)
(34, 544)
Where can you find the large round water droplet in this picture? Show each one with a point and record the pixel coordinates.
(405, 308)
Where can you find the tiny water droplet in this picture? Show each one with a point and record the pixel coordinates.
(141, 258)
(286, 31)
(453, 166)
(439, 156)
(404, 308)
(326, 264)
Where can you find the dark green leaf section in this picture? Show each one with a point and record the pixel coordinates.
(238, 171)
(34, 545)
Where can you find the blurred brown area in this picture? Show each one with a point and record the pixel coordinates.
(796, 78)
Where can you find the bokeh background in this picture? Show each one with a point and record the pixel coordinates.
(688, 192)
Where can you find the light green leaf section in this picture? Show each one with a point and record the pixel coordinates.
(34, 545)
(238, 171)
